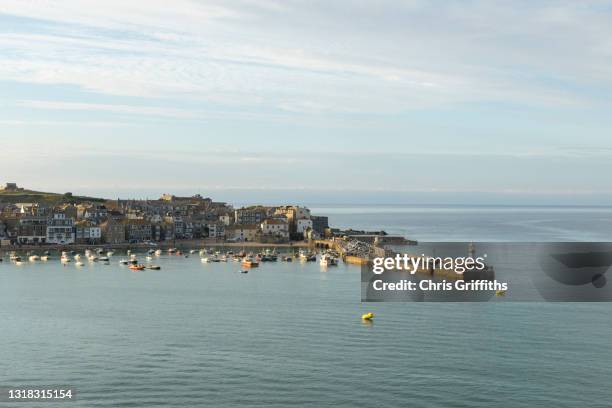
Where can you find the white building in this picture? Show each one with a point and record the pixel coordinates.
(216, 230)
(302, 225)
(60, 230)
(242, 232)
(225, 219)
(275, 227)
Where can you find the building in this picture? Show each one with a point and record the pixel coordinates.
(250, 215)
(275, 227)
(242, 232)
(216, 230)
(32, 230)
(319, 224)
(138, 230)
(87, 233)
(113, 231)
(60, 229)
(302, 225)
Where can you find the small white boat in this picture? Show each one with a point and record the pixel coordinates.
(34, 258)
(92, 258)
(77, 257)
(133, 256)
(65, 259)
(158, 252)
(103, 259)
(328, 260)
(110, 253)
(123, 262)
(45, 258)
(18, 263)
(79, 263)
(87, 253)
(192, 251)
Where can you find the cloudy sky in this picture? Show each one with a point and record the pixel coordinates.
(457, 101)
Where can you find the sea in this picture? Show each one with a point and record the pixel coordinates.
(291, 334)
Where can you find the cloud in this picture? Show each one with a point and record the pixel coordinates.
(315, 58)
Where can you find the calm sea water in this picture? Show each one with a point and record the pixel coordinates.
(196, 334)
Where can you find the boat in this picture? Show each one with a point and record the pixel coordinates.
(249, 263)
(77, 257)
(158, 252)
(79, 263)
(92, 258)
(34, 258)
(151, 251)
(367, 316)
(149, 258)
(103, 259)
(328, 260)
(244, 271)
(19, 262)
(45, 258)
(110, 253)
(123, 262)
(192, 251)
(136, 267)
(65, 259)
(172, 250)
(307, 256)
(155, 267)
(288, 259)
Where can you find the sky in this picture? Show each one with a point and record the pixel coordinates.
(344, 101)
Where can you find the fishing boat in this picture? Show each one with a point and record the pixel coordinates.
(136, 267)
(249, 263)
(155, 267)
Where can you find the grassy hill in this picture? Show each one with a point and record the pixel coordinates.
(30, 196)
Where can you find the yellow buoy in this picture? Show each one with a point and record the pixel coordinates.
(367, 316)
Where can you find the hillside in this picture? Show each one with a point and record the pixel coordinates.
(30, 196)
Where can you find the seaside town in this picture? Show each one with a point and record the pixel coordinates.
(31, 219)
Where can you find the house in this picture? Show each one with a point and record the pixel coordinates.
(138, 230)
(87, 233)
(32, 230)
(216, 230)
(302, 225)
(275, 227)
(60, 229)
(113, 231)
(251, 215)
(225, 219)
(242, 232)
